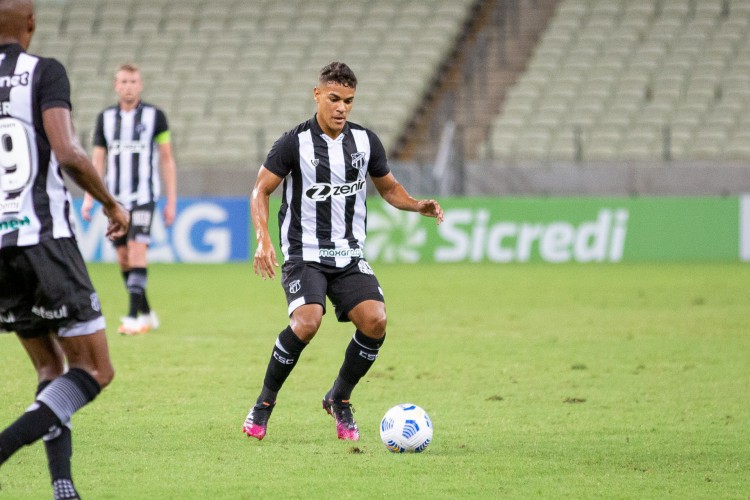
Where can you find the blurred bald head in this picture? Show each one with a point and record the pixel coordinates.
(16, 22)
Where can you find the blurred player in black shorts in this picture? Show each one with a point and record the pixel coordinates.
(323, 164)
(46, 296)
(131, 142)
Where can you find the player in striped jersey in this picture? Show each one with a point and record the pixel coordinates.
(46, 296)
(323, 164)
(131, 141)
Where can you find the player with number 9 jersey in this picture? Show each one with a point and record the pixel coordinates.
(34, 203)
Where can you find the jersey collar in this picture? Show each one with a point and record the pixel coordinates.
(11, 47)
(134, 110)
(315, 127)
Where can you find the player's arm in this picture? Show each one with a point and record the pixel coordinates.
(264, 260)
(395, 194)
(70, 154)
(169, 175)
(98, 159)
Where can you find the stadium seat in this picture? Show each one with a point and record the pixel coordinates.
(677, 64)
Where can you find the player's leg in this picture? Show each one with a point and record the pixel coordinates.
(64, 395)
(140, 317)
(54, 275)
(137, 284)
(286, 352)
(48, 360)
(305, 290)
(370, 320)
(127, 325)
(359, 299)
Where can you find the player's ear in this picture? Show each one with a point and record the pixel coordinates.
(31, 24)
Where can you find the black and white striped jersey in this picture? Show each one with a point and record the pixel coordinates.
(34, 203)
(132, 140)
(323, 214)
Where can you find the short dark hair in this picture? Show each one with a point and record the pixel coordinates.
(337, 72)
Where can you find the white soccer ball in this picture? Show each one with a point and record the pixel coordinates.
(406, 427)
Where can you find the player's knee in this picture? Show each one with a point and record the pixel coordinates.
(103, 374)
(374, 325)
(305, 327)
(50, 372)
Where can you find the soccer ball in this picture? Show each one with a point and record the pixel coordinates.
(406, 427)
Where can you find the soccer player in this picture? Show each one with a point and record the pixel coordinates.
(46, 296)
(323, 163)
(131, 140)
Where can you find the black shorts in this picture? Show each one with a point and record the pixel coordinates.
(310, 283)
(46, 287)
(141, 217)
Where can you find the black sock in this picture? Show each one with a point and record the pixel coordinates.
(285, 353)
(137, 280)
(67, 394)
(55, 404)
(58, 445)
(360, 355)
(145, 307)
(37, 421)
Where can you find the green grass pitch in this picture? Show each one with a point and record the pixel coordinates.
(543, 381)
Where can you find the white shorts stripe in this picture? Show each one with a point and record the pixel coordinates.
(84, 328)
(295, 304)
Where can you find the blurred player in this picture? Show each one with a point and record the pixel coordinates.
(323, 163)
(130, 140)
(46, 295)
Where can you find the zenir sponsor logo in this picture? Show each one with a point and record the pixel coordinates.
(322, 191)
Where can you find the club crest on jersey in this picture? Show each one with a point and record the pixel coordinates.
(294, 286)
(322, 190)
(358, 159)
(315, 162)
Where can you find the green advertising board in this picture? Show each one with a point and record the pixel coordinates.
(558, 230)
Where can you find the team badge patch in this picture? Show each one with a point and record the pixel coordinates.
(294, 286)
(95, 305)
(358, 159)
(315, 162)
(365, 268)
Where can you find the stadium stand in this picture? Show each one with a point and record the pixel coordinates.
(233, 74)
(622, 80)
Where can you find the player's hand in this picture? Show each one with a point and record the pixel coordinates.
(264, 261)
(119, 221)
(169, 214)
(431, 208)
(86, 206)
